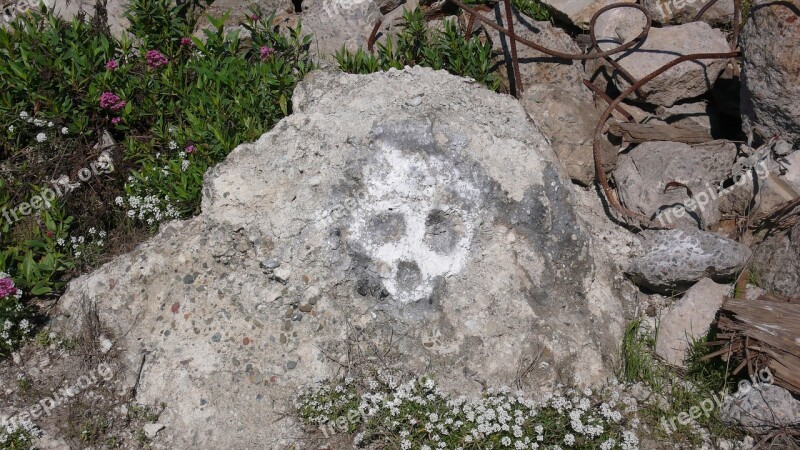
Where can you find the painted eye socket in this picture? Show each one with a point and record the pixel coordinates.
(386, 227)
(443, 230)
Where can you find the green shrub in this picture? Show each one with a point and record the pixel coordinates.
(447, 49)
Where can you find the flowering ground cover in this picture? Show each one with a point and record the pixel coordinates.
(102, 139)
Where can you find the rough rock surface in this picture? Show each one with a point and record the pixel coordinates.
(771, 71)
(688, 79)
(643, 175)
(776, 262)
(536, 67)
(684, 11)
(240, 10)
(425, 214)
(761, 408)
(115, 11)
(337, 23)
(688, 320)
(579, 12)
(674, 260)
(568, 120)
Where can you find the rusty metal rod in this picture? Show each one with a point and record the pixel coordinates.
(513, 44)
(598, 162)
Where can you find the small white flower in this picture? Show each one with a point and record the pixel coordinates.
(41, 137)
(50, 124)
(23, 115)
(11, 128)
(65, 130)
(39, 122)
(173, 145)
(60, 242)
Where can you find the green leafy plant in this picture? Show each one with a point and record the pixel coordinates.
(155, 110)
(447, 49)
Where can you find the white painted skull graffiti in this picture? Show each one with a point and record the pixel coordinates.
(416, 220)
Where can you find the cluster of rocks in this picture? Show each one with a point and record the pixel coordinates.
(426, 215)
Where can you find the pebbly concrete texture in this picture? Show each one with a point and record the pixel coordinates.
(424, 216)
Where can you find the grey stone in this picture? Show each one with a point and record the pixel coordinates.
(776, 262)
(568, 120)
(336, 24)
(578, 12)
(644, 173)
(282, 274)
(688, 320)
(688, 79)
(771, 72)
(684, 11)
(387, 6)
(674, 260)
(291, 364)
(152, 429)
(762, 407)
(270, 264)
(415, 208)
(536, 67)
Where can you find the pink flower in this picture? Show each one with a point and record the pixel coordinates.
(255, 17)
(116, 120)
(110, 100)
(7, 287)
(155, 59)
(190, 149)
(266, 52)
(186, 41)
(112, 65)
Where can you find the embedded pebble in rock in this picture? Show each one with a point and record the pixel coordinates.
(450, 223)
(674, 260)
(152, 429)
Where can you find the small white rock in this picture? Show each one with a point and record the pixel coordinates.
(152, 429)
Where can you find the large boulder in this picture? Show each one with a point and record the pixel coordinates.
(568, 120)
(424, 215)
(686, 80)
(68, 9)
(644, 175)
(771, 71)
(536, 67)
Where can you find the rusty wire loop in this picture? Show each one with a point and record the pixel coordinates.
(595, 52)
(625, 215)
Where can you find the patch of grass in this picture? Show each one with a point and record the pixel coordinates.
(675, 393)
